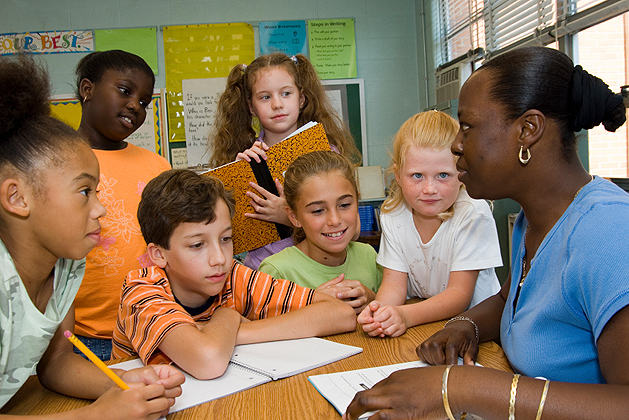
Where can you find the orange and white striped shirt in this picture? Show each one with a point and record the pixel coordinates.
(148, 310)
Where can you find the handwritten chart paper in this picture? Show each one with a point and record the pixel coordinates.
(200, 99)
(332, 45)
(201, 52)
(179, 158)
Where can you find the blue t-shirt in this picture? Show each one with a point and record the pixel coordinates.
(578, 280)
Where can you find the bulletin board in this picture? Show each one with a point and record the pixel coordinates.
(150, 136)
(197, 52)
(348, 99)
(139, 41)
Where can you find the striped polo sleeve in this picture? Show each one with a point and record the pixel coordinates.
(257, 295)
(147, 313)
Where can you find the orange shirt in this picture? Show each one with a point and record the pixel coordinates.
(123, 175)
(148, 310)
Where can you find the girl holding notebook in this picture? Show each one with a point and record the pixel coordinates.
(283, 93)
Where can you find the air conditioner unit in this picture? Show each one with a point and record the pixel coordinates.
(450, 79)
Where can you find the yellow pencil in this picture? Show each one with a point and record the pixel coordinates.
(90, 355)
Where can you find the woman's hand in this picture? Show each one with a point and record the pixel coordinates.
(405, 394)
(445, 346)
(255, 152)
(268, 207)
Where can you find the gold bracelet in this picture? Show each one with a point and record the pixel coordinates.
(464, 318)
(542, 401)
(514, 390)
(444, 392)
(444, 395)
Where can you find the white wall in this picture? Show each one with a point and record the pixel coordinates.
(387, 40)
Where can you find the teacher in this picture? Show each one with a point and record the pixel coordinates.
(562, 316)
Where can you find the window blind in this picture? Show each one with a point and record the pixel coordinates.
(496, 25)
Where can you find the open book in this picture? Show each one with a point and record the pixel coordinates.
(256, 364)
(339, 388)
(251, 233)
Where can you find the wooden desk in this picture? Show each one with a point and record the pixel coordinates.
(289, 398)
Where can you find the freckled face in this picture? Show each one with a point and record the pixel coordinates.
(429, 181)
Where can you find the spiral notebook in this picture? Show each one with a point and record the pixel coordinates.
(256, 364)
(251, 233)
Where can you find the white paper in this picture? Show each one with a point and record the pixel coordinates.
(144, 136)
(200, 101)
(180, 158)
(339, 388)
(195, 392)
(280, 359)
(283, 358)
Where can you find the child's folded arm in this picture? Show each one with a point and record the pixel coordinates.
(393, 289)
(452, 301)
(324, 316)
(204, 353)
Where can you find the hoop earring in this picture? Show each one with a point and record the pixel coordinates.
(521, 157)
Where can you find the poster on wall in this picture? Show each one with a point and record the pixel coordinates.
(332, 47)
(287, 36)
(47, 42)
(200, 52)
(139, 41)
(200, 99)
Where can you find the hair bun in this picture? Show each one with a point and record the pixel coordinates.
(594, 103)
(24, 93)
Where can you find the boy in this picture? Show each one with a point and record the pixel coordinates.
(196, 303)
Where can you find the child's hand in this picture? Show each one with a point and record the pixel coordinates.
(255, 152)
(352, 292)
(366, 320)
(138, 403)
(391, 320)
(380, 320)
(334, 286)
(165, 375)
(269, 207)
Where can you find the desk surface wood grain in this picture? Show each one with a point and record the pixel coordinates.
(289, 398)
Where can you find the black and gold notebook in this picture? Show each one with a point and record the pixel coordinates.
(251, 233)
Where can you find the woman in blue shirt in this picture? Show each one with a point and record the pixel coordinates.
(563, 313)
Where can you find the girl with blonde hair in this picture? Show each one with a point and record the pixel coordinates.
(437, 243)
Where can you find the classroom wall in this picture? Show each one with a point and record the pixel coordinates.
(386, 40)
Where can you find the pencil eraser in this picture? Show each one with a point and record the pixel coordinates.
(67, 333)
